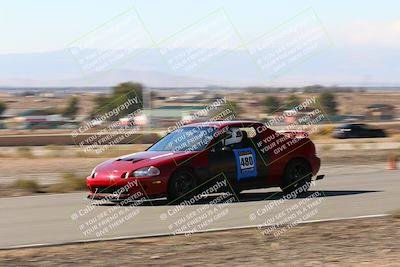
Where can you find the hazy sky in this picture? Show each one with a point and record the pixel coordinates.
(45, 25)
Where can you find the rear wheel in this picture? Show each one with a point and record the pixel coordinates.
(181, 186)
(297, 177)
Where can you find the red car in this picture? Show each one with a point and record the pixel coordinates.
(244, 154)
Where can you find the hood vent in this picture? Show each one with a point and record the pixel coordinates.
(133, 160)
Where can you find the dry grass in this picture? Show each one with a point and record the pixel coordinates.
(327, 147)
(27, 185)
(25, 152)
(326, 130)
(69, 182)
(54, 151)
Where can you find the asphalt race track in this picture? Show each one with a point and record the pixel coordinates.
(345, 192)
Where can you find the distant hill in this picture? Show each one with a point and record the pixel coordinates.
(334, 66)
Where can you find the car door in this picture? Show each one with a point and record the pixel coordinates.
(367, 131)
(364, 131)
(221, 161)
(240, 163)
(356, 132)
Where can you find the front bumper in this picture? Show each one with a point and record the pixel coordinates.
(125, 188)
(110, 197)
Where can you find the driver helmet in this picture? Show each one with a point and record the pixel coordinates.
(234, 136)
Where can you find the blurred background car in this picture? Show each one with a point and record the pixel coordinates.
(357, 130)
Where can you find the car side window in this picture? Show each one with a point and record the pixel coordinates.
(251, 132)
(235, 138)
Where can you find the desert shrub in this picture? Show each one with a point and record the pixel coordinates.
(25, 152)
(69, 182)
(74, 182)
(55, 151)
(81, 154)
(28, 185)
(326, 130)
(327, 147)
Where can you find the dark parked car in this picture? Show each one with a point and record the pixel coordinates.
(357, 131)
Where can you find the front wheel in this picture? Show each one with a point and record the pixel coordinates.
(181, 186)
(297, 177)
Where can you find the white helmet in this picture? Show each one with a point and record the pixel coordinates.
(234, 136)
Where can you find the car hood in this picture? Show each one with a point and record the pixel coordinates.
(138, 160)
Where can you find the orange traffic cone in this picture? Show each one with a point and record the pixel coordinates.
(392, 163)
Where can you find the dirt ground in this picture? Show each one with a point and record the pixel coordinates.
(358, 242)
(354, 157)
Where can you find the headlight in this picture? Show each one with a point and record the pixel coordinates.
(93, 173)
(146, 171)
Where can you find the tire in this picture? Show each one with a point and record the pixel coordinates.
(181, 186)
(297, 174)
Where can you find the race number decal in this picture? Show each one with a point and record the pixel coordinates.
(246, 161)
(246, 166)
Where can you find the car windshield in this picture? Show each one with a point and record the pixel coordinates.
(185, 139)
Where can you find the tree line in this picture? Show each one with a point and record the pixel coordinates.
(326, 100)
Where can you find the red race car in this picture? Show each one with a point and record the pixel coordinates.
(244, 154)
